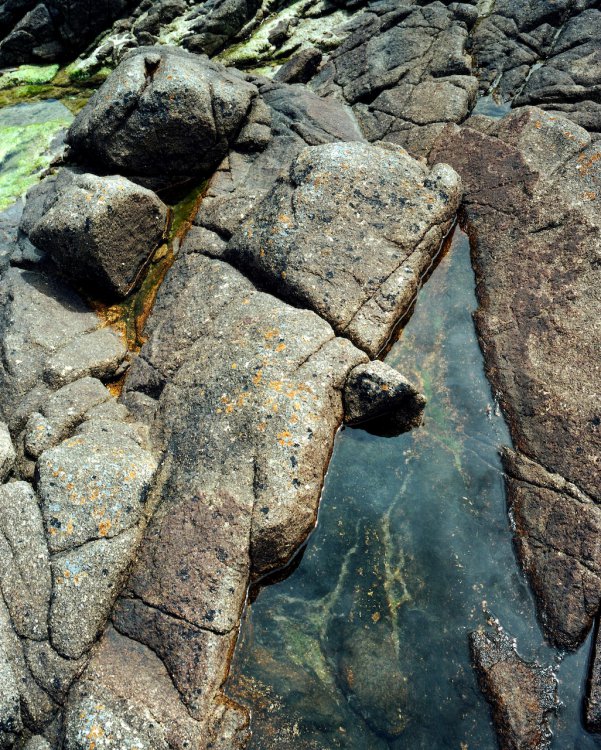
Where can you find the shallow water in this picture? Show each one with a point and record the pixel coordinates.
(364, 646)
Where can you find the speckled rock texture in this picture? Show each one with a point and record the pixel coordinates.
(101, 232)
(302, 241)
(532, 185)
(523, 695)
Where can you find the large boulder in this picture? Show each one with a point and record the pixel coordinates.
(163, 116)
(101, 231)
(348, 232)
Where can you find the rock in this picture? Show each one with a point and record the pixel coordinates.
(376, 390)
(101, 231)
(51, 671)
(301, 242)
(86, 582)
(522, 695)
(557, 531)
(217, 22)
(24, 561)
(164, 116)
(36, 743)
(38, 315)
(10, 709)
(301, 67)
(7, 452)
(99, 354)
(532, 190)
(62, 411)
(592, 706)
(92, 486)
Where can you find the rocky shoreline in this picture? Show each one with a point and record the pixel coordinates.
(145, 517)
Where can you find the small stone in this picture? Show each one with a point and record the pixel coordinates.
(98, 354)
(7, 452)
(375, 390)
(301, 67)
(522, 695)
(101, 231)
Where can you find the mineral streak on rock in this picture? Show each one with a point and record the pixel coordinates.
(522, 695)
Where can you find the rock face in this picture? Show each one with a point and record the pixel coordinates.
(532, 195)
(164, 117)
(7, 452)
(302, 242)
(101, 231)
(522, 695)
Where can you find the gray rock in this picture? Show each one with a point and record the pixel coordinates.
(36, 743)
(10, 708)
(376, 390)
(99, 354)
(7, 452)
(51, 671)
(24, 561)
(62, 411)
(38, 316)
(348, 232)
(301, 67)
(164, 115)
(523, 695)
(86, 582)
(101, 231)
(92, 486)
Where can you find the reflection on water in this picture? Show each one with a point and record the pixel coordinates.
(364, 646)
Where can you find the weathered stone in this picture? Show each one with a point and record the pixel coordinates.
(36, 743)
(522, 695)
(164, 115)
(377, 390)
(92, 486)
(533, 186)
(24, 562)
(38, 315)
(10, 710)
(301, 67)
(558, 539)
(7, 452)
(302, 240)
(86, 582)
(101, 231)
(99, 354)
(52, 672)
(61, 413)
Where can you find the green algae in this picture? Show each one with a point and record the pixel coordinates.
(28, 75)
(27, 133)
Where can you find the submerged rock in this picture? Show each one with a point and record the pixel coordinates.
(348, 231)
(101, 231)
(164, 116)
(522, 695)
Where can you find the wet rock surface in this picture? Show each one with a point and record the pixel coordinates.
(522, 695)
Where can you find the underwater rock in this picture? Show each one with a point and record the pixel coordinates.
(522, 695)
(7, 452)
(164, 116)
(101, 231)
(348, 231)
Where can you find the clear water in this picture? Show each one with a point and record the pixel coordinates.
(364, 646)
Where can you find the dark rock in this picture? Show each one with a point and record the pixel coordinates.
(218, 22)
(376, 390)
(164, 116)
(301, 67)
(101, 231)
(302, 241)
(522, 695)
